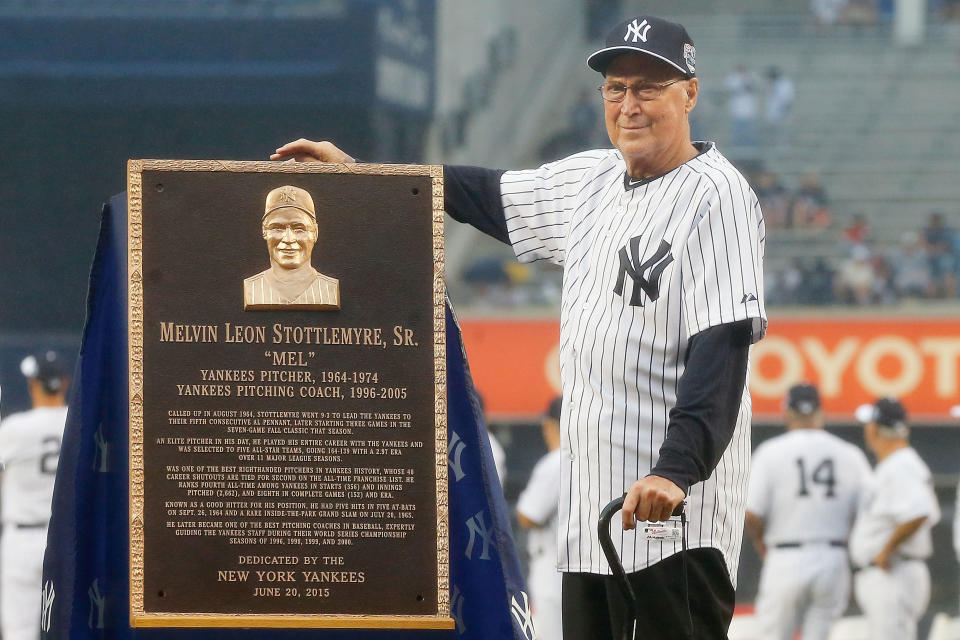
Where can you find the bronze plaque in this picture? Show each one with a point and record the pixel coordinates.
(287, 395)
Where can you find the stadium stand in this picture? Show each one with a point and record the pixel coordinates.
(869, 117)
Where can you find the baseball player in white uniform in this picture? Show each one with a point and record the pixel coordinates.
(496, 449)
(805, 487)
(537, 512)
(661, 241)
(29, 451)
(891, 538)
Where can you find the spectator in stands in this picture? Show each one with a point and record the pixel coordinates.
(950, 9)
(792, 281)
(911, 269)
(827, 12)
(854, 283)
(816, 286)
(784, 286)
(808, 209)
(858, 231)
(883, 276)
(774, 199)
(779, 103)
(742, 106)
(860, 13)
(940, 245)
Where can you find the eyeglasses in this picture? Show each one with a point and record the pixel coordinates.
(644, 91)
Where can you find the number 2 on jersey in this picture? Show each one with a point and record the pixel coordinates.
(51, 455)
(822, 475)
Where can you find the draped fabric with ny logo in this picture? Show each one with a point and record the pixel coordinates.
(86, 567)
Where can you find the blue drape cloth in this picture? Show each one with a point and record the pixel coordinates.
(86, 567)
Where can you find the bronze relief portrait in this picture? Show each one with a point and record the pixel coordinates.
(289, 227)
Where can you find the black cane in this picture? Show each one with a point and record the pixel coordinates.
(613, 559)
(616, 567)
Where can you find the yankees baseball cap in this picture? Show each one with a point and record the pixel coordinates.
(888, 413)
(651, 36)
(803, 398)
(47, 367)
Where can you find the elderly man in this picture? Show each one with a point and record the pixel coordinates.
(289, 226)
(891, 539)
(661, 242)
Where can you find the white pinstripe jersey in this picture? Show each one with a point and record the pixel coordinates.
(322, 293)
(686, 248)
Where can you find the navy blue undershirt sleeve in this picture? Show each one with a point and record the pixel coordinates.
(708, 401)
(472, 195)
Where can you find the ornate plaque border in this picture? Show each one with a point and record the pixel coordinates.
(138, 617)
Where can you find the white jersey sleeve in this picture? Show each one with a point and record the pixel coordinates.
(540, 498)
(538, 204)
(499, 458)
(722, 261)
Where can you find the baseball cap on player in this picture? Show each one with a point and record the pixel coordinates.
(651, 36)
(888, 414)
(47, 367)
(803, 398)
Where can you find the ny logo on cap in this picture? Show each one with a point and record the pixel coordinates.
(635, 29)
(286, 196)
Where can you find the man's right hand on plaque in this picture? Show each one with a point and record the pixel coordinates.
(304, 150)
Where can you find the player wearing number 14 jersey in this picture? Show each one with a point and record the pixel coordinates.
(805, 487)
(29, 451)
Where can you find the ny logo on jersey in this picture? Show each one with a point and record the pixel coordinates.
(523, 615)
(478, 529)
(630, 264)
(634, 29)
(456, 609)
(455, 449)
(97, 601)
(46, 606)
